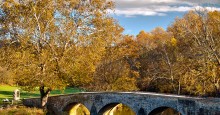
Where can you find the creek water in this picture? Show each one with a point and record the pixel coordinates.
(120, 109)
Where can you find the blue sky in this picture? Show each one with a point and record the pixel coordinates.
(137, 15)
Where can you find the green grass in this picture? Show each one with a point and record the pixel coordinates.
(6, 91)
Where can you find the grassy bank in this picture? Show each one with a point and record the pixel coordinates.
(6, 92)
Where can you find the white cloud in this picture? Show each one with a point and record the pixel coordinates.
(137, 11)
(130, 8)
(207, 8)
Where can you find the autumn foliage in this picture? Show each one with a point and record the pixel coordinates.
(76, 43)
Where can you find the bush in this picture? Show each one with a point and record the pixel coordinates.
(21, 111)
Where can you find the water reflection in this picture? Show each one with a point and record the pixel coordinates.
(164, 111)
(116, 109)
(79, 109)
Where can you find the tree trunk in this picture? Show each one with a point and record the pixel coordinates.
(179, 88)
(44, 96)
(217, 89)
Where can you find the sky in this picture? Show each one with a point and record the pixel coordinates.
(137, 15)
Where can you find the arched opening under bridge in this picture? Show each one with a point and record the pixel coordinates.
(164, 111)
(76, 109)
(116, 109)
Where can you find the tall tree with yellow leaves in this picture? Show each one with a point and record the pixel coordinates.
(197, 34)
(58, 42)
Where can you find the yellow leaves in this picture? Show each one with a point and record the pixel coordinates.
(129, 47)
(97, 3)
(157, 37)
(6, 5)
(34, 8)
(49, 14)
(68, 3)
(124, 83)
(110, 5)
(173, 41)
(9, 3)
(135, 74)
(142, 35)
(65, 49)
(17, 55)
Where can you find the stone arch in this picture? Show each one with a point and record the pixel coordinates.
(164, 110)
(113, 107)
(75, 109)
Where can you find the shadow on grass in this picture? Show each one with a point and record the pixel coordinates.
(68, 90)
(8, 93)
(23, 95)
(29, 95)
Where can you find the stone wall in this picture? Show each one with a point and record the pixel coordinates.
(139, 102)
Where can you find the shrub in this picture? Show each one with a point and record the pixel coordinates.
(21, 111)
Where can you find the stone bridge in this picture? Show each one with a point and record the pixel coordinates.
(141, 103)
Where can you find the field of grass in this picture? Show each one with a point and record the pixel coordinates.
(6, 91)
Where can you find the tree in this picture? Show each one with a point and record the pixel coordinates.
(58, 42)
(114, 72)
(156, 58)
(197, 33)
(5, 62)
